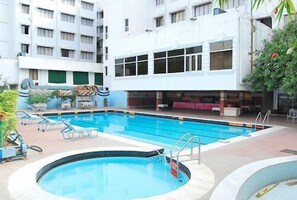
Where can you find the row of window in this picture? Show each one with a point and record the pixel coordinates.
(67, 53)
(64, 16)
(79, 78)
(49, 13)
(177, 61)
(43, 32)
(198, 10)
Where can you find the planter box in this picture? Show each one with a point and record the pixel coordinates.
(231, 111)
(7, 152)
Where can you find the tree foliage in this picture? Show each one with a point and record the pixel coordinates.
(275, 65)
(283, 5)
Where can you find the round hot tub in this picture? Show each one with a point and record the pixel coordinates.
(112, 178)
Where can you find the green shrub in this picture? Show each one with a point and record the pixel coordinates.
(8, 104)
(37, 99)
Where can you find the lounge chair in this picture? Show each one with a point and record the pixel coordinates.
(27, 118)
(292, 115)
(45, 123)
(70, 130)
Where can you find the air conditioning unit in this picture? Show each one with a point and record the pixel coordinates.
(217, 11)
(35, 82)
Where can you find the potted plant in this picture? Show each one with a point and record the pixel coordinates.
(38, 101)
(8, 105)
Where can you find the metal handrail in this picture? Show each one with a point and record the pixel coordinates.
(175, 145)
(258, 118)
(191, 139)
(266, 118)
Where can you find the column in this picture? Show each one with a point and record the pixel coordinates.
(223, 97)
(159, 99)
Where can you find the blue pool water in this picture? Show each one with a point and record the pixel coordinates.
(112, 178)
(160, 131)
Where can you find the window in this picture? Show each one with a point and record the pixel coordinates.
(126, 25)
(25, 48)
(194, 58)
(106, 32)
(175, 61)
(106, 53)
(160, 62)
(80, 78)
(67, 18)
(178, 16)
(25, 9)
(99, 45)
(106, 71)
(68, 2)
(100, 29)
(99, 58)
(86, 39)
(56, 76)
(86, 55)
(45, 13)
(33, 74)
(101, 15)
(45, 32)
(86, 21)
(67, 36)
(47, 51)
(87, 6)
(98, 79)
(221, 55)
(25, 29)
(68, 53)
(267, 21)
(159, 2)
(159, 21)
(233, 4)
(203, 9)
(178, 60)
(131, 66)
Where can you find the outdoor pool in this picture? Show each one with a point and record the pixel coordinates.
(112, 178)
(156, 130)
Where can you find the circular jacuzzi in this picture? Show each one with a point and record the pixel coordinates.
(266, 179)
(62, 175)
(111, 178)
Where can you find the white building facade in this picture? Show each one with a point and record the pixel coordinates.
(169, 49)
(52, 42)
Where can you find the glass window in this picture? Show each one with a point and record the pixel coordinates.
(203, 9)
(119, 70)
(176, 64)
(86, 21)
(87, 6)
(193, 50)
(47, 51)
(159, 2)
(178, 16)
(68, 2)
(33, 74)
(67, 18)
(46, 13)
(85, 55)
(176, 52)
(25, 9)
(56, 76)
(25, 48)
(221, 60)
(160, 66)
(159, 21)
(130, 69)
(25, 29)
(80, 78)
(67, 36)
(142, 68)
(126, 25)
(233, 4)
(86, 39)
(101, 14)
(45, 32)
(67, 53)
(98, 79)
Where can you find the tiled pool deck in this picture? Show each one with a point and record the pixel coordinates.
(222, 161)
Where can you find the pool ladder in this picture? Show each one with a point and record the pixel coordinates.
(175, 164)
(259, 123)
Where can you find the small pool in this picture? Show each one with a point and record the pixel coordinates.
(112, 178)
(156, 130)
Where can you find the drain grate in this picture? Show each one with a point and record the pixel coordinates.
(290, 151)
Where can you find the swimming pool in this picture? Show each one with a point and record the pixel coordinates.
(112, 178)
(157, 130)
